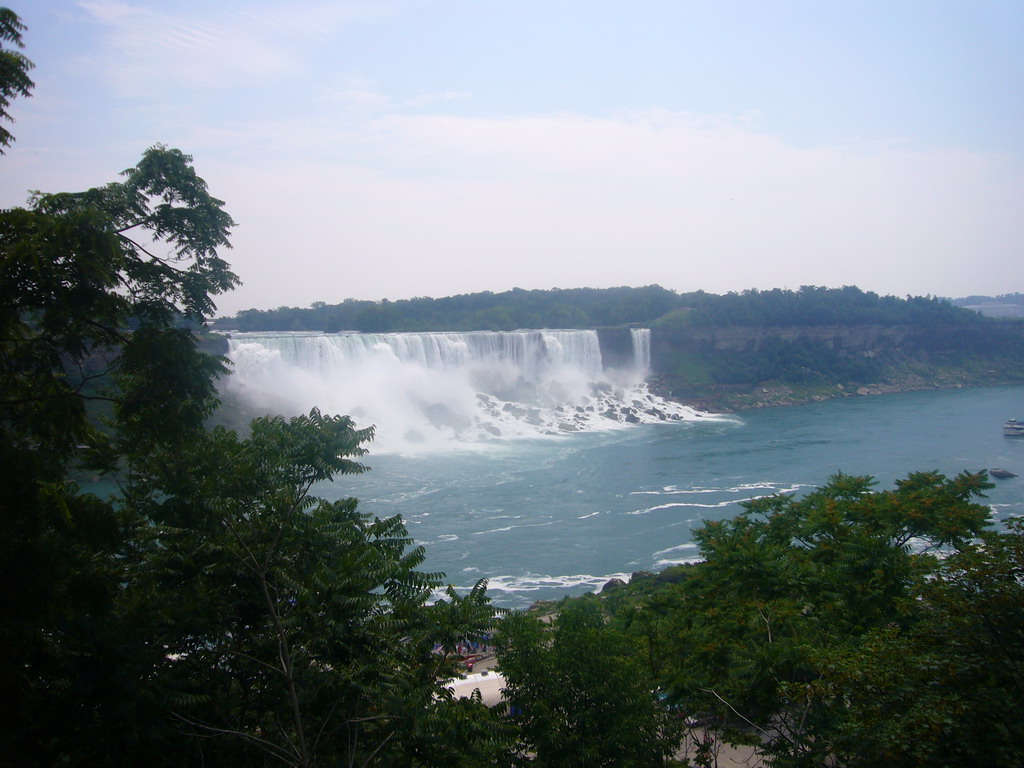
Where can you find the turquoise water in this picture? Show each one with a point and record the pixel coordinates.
(542, 518)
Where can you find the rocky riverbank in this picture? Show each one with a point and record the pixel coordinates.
(765, 367)
(769, 395)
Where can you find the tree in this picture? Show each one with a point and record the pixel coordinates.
(947, 689)
(446, 732)
(96, 295)
(210, 609)
(791, 579)
(583, 693)
(299, 630)
(14, 69)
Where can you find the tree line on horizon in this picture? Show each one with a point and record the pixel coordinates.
(600, 307)
(1015, 298)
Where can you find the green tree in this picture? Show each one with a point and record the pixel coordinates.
(583, 693)
(14, 69)
(792, 578)
(447, 732)
(299, 629)
(210, 610)
(947, 689)
(96, 294)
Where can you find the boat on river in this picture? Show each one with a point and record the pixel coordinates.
(1013, 428)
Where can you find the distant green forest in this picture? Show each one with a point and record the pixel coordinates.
(593, 307)
(1005, 305)
(1004, 298)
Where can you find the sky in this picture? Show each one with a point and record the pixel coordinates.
(385, 149)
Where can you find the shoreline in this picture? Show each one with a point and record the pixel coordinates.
(781, 395)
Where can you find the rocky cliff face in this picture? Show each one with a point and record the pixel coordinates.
(852, 338)
(735, 367)
(616, 346)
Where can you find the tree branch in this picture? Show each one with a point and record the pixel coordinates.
(736, 712)
(162, 262)
(284, 652)
(267, 746)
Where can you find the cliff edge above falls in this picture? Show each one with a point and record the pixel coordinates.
(740, 367)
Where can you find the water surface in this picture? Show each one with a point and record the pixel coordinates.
(545, 517)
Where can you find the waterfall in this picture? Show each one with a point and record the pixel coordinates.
(431, 389)
(531, 352)
(641, 349)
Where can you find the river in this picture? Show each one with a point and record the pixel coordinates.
(549, 516)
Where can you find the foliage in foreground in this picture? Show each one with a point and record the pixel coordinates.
(209, 609)
(947, 689)
(581, 694)
(14, 69)
(872, 628)
(300, 628)
(84, 298)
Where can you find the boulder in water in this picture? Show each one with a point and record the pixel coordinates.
(611, 584)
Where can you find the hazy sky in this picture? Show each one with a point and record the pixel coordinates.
(389, 149)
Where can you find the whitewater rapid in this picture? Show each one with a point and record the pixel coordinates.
(452, 390)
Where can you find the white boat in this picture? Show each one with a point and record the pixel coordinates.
(1013, 428)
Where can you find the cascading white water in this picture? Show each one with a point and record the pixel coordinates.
(433, 389)
(641, 349)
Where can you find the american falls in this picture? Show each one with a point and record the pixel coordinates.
(447, 390)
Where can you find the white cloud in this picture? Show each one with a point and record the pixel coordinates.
(433, 205)
(149, 48)
(432, 98)
(359, 95)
